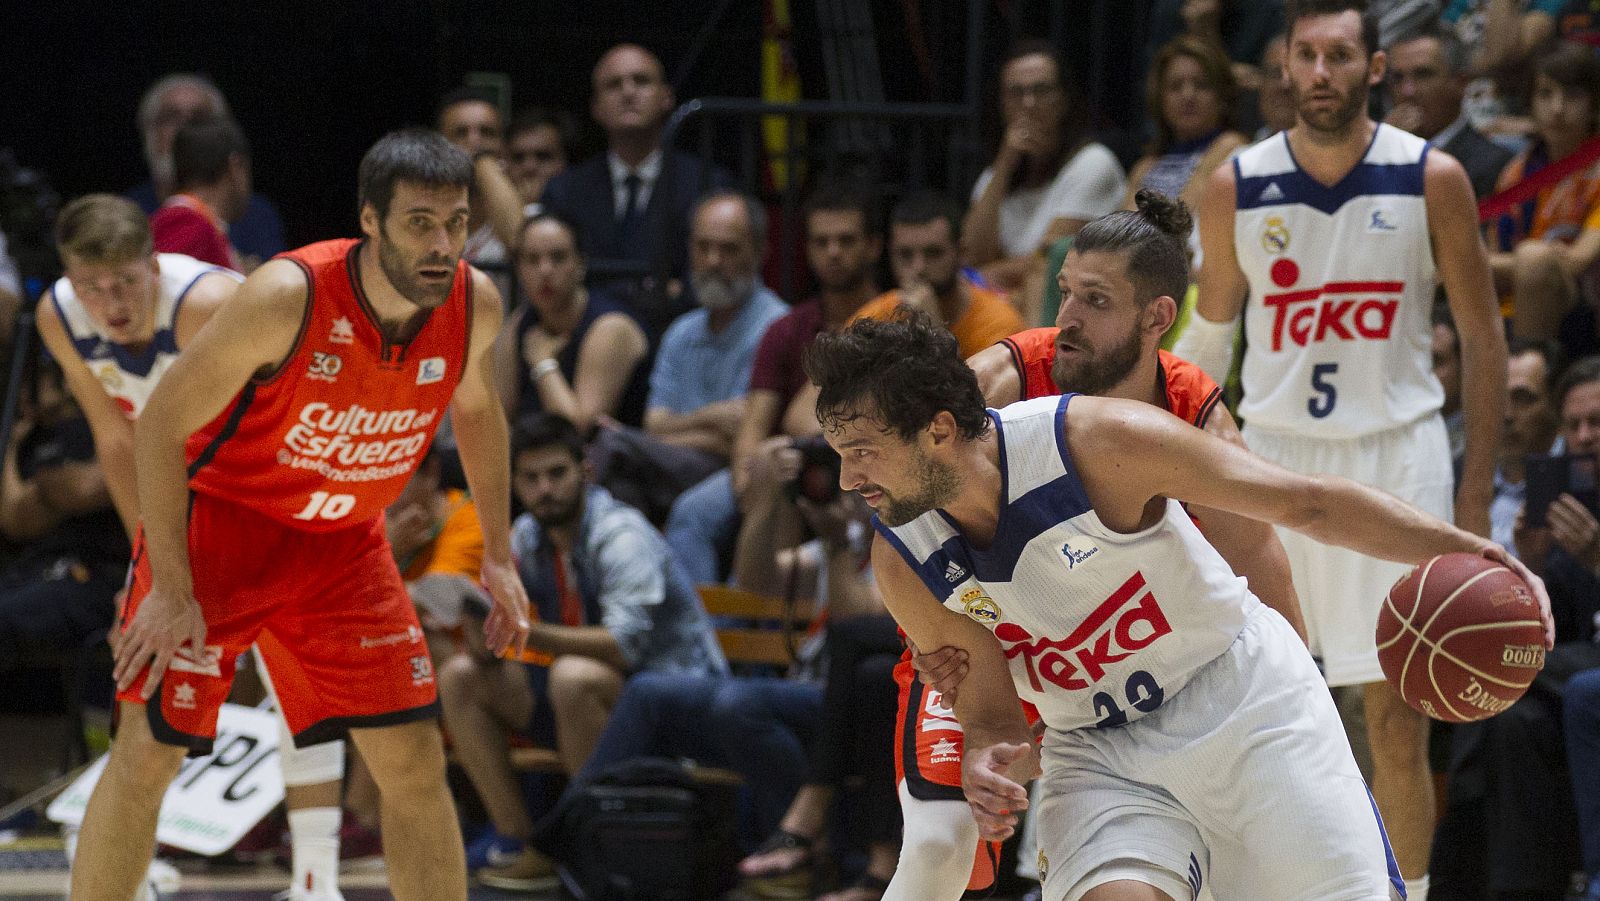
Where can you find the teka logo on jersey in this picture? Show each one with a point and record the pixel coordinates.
(1343, 311)
(1129, 620)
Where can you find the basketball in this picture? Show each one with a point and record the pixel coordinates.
(1459, 637)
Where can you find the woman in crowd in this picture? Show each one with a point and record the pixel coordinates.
(1189, 97)
(1047, 178)
(570, 350)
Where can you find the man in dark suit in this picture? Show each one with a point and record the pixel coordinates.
(1427, 79)
(632, 203)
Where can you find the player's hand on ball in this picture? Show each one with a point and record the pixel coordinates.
(165, 621)
(1504, 557)
(994, 779)
(508, 623)
(943, 669)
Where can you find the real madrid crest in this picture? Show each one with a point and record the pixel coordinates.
(109, 377)
(1275, 236)
(1044, 866)
(980, 606)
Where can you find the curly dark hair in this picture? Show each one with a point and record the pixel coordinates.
(901, 372)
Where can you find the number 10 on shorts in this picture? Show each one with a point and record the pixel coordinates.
(323, 505)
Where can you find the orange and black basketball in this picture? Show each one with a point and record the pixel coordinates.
(1459, 637)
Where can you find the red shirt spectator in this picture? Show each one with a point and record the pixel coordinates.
(186, 224)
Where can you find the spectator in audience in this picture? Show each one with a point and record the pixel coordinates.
(611, 601)
(170, 102)
(1547, 246)
(1189, 97)
(1447, 369)
(853, 746)
(1274, 103)
(924, 234)
(759, 726)
(1047, 178)
(638, 194)
(1533, 368)
(1502, 38)
(574, 351)
(702, 372)
(438, 547)
(842, 246)
(539, 145)
(1242, 29)
(1510, 831)
(471, 121)
(69, 551)
(211, 172)
(10, 296)
(1581, 708)
(1428, 80)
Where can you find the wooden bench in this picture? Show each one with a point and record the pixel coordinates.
(758, 633)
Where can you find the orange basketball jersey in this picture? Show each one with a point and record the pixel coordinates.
(1191, 395)
(329, 439)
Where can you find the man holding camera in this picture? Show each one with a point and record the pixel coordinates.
(610, 601)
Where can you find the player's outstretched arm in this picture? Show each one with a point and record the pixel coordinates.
(1000, 757)
(484, 444)
(248, 337)
(1250, 546)
(1175, 460)
(1463, 266)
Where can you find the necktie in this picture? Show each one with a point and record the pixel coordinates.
(628, 224)
(571, 603)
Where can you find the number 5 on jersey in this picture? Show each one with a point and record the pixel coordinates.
(1319, 405)
(323, 505)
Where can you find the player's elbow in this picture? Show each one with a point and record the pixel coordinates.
(1312, 508)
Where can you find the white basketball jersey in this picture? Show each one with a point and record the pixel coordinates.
(128, 377)
(1341, 288)
(1099, 627)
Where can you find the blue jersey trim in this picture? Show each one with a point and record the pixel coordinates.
(930, 572)
(1297, 188)
(1395, 879)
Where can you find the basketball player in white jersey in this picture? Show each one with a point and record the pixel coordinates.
(116, 322)
(1338, 231)
(1190, 740)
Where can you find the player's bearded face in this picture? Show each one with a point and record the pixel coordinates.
(1082, 366)
(936, 486)
(424, 278)
(1330, 71)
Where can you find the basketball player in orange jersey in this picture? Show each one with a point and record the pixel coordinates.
(1117, 300)
(1338, 232)
(295, 416)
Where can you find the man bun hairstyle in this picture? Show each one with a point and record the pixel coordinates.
(901, 372)
(417, 155)
(1155, 237)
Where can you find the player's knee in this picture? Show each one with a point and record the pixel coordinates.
(458, 679)
(576, 680)
(1397, 734)
(935, 850)
(139, 761)
(405, 760)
